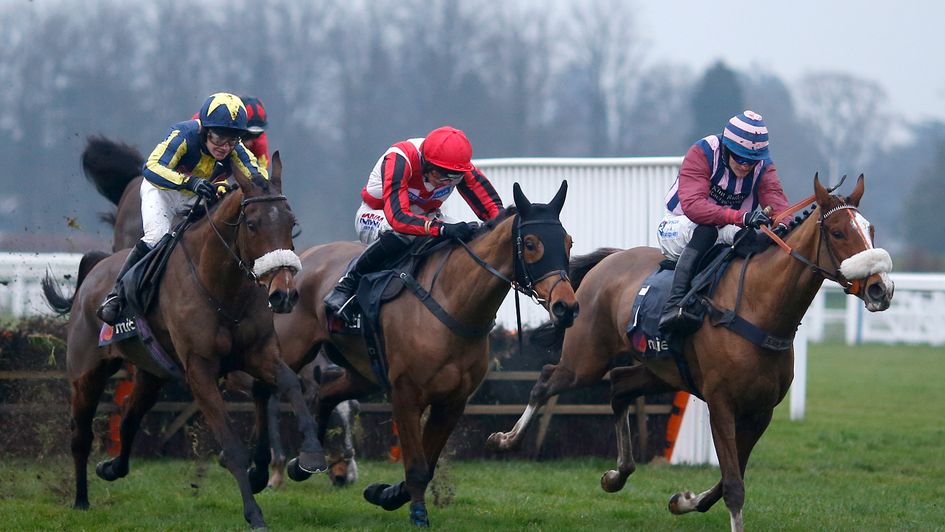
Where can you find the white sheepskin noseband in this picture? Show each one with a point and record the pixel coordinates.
(279, 258)
(866, 263)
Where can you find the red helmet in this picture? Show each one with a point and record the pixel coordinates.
(448, 147)
(255, 114)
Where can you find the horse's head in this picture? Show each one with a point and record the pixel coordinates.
(847, 235)
(264, 236)
(543, 249)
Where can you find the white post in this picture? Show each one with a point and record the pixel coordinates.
(799, 387)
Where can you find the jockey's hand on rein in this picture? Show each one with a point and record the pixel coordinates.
(201, 187)
(757, 218)
(460, 230)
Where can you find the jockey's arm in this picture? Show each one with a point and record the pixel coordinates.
(480, 195)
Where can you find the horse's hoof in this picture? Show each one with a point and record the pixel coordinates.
(682, 503)
(386, 496)
(612, 481)
(81, 505)
(295, 472)
(107, 470)
(257, 479)
(312, 462)
(418, 515)
(498, 441)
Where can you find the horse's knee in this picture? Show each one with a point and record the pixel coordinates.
(733, 492)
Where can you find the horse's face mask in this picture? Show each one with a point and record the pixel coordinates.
(543, 250)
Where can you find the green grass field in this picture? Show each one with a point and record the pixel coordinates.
(870, 455)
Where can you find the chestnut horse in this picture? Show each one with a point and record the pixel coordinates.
(430, 366)
(114, 168)
(740, 381)
(212, 314)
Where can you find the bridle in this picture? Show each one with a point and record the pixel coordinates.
(855, 286)
(251, 273)
(525, 276)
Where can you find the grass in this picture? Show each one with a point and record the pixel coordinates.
(868, 456)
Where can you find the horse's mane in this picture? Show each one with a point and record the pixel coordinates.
(503, 215)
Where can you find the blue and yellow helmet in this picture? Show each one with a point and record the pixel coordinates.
(223, 110)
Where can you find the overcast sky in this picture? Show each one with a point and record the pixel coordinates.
(900, 45)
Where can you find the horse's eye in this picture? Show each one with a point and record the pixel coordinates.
(836, 234)
(251, 225)
(530, 245)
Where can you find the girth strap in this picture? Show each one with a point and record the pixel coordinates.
(460, 329)
(744, 328)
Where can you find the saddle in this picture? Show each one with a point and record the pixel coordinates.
(138, 289)
(643, 329)
(377, 288)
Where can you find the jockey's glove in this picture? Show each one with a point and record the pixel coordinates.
(756, 218)
(201, 187)
(459, 231)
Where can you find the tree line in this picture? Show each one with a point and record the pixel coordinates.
(342, 80)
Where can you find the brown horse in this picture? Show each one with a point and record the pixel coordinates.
(213, 314)
(740, 381)
(114, 168)
(430, 365)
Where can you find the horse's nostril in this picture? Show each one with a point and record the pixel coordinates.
(875, 291)
(276, 299)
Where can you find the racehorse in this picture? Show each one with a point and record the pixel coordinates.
(114, 168)
(740, 381)
(432, 366)
(212, 314)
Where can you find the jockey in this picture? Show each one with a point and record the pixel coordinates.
(193, 154)
(722, 185)
(402, 200)
(255, 139)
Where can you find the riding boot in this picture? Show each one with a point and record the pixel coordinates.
(387, 247)
(673, 319)
(111, 307)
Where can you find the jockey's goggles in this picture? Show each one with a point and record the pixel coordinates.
(741, 160)
(449, 174)
(223, 140)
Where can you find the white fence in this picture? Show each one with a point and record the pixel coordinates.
(21, 293)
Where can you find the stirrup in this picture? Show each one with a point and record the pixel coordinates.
(111, 305)
(346, 311)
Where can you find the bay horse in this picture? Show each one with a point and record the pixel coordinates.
(114, 168)
(213, 314)
(740, 381)
(431, 367)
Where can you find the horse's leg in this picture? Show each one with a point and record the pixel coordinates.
(311, 457)
(407, 409)
(258, 472)
(142, 399)
(86, 392)
(277, 465)
(627, 383)
(202, 378)
(732, 486)
(554, 379)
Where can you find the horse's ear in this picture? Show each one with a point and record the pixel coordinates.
(275, 171)
(857, 193)
(558, 201)
(521, 202)
(820, 192)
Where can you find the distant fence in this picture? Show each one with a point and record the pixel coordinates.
(21, 275)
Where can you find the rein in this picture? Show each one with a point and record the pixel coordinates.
(242, 265)
(835, 276)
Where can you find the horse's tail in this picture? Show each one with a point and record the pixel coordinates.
(547, 335)
(61, 304)
(110, 166)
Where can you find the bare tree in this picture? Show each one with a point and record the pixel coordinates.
(848, 115)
